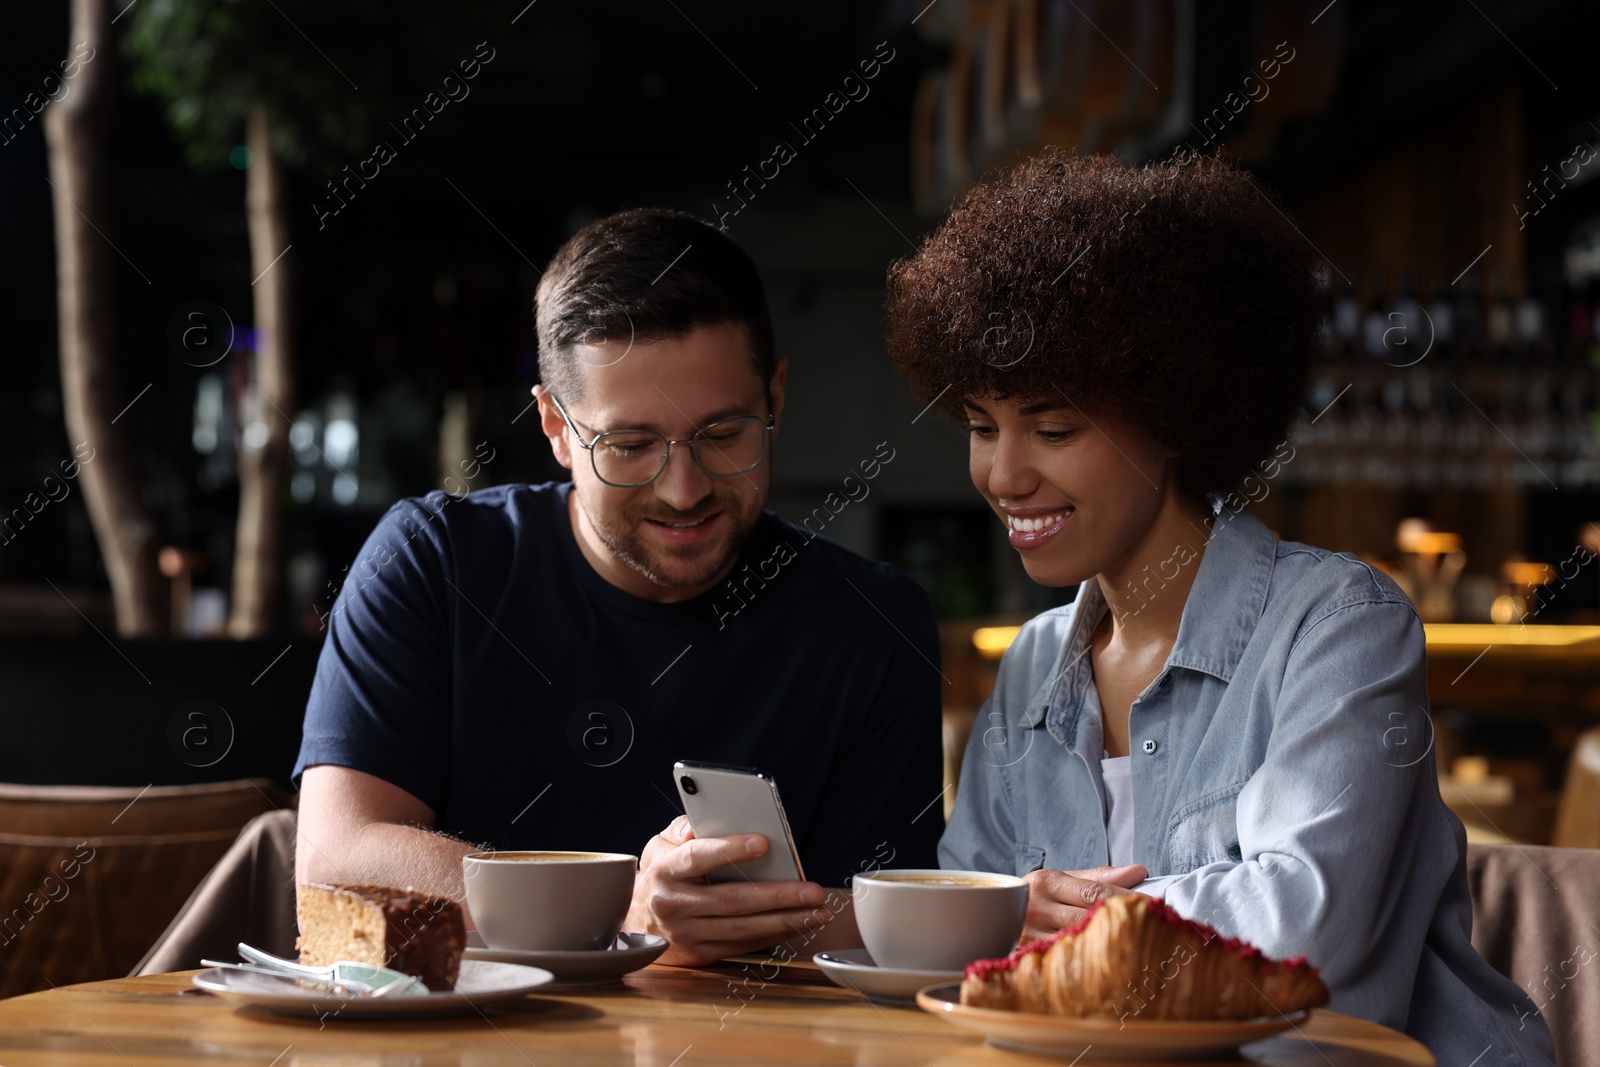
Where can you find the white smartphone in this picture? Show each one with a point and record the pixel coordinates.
(722, 801)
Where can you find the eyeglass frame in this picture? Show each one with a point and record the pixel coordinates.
(767, 426)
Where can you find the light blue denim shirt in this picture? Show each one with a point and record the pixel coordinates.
(1283, 781)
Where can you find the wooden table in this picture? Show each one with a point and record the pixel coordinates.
(658, 1017)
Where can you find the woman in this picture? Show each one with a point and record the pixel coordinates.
(1233, 723)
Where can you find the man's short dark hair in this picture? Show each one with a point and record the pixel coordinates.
(1175, 295)
(645, 275)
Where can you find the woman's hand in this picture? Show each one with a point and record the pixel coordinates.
(1057, 899)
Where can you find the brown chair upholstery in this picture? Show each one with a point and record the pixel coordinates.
(1578, 817)
(90, 875)
(957, 728)
(1536, 919)
(114, 811)
(248, 896)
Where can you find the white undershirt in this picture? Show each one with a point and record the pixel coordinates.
(1117, 771)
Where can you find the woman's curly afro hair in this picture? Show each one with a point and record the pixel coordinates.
(1175, 297)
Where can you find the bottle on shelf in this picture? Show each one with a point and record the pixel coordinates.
(1531, 320)
(1407, 338)
(1346, 321)
(1441, 314)
(1501, 319)
(1580, 319)
(1592, 342)
(1468, 316)
(1375, 325)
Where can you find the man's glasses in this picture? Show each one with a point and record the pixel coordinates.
(628, 459)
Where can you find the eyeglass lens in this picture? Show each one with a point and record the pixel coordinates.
(634, 457)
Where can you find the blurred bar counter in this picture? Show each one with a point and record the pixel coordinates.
(1548, 671)
(1449, 643)
(1509, 704)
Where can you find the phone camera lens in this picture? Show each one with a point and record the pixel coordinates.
(688, 785)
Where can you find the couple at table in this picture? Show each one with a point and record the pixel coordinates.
(1213, 719)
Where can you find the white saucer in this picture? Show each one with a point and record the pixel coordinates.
(478, 984)
(853, 968)
(580, 967)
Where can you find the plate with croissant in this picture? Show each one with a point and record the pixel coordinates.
(1133, 977)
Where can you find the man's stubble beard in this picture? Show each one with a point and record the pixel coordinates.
(625, 544)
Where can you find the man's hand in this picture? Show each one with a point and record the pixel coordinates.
(1057, 899)
(704, 922)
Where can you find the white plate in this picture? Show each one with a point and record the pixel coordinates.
(581, 967)
(1059, 1035)
(853, 968)
(478, 984)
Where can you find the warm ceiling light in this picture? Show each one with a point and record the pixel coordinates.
(992, 641)
(1436, 543)
(1522, 572)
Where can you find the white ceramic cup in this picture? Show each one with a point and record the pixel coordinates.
(549, 901)
(930, 920)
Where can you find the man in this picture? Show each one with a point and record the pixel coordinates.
(520, 667)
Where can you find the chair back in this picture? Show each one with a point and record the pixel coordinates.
(1578, 817)
(1536, 920)
(91, 875)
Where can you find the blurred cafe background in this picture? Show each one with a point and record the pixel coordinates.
(273, 335)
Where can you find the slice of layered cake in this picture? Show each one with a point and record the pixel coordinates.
(421, 935)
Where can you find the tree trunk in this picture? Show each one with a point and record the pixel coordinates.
(75, 131)
(268, 406)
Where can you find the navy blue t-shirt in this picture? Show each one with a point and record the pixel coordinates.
(476, 660)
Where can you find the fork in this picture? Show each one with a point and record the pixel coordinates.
(347, 974)
(343, 987)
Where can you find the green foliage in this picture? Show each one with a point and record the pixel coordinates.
(328, 71)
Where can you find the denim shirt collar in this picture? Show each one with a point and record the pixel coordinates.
(1225, 603)
(1228, 598)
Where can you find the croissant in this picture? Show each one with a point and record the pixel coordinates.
(1133, 956)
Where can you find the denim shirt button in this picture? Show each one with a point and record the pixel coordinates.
(1149, 747)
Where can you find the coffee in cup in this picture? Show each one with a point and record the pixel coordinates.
(549, 901)
(941, 878)
(932, 920)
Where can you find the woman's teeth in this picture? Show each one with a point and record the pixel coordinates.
(1043, 522)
